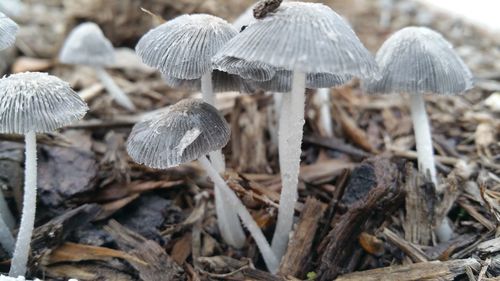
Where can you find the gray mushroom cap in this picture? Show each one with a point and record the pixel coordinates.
(8, 30)
(183, 47)
(418, 60)
(221, 81)
(189, 129)
(282, 81)
(87, 45)
(37, 102)
(308, 37)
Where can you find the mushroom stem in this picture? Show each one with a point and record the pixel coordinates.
(227, 220)
(118, 95)
(325, 115)
(290, 139)
(269, 258)
(5, 212)
(6, 238)
(423, 139)
(23, 243)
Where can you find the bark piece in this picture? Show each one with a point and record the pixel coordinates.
(434, 270)
(380, 185)
(298, 255)
(159, 265)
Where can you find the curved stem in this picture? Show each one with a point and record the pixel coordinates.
(423, 138)
(247, 219)
(325, 115)
(227, 219)
(6, 238)
(118, 95)
(23, 243)
(290, 139)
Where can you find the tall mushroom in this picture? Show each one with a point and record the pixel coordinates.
(182, 49)
(32, 103)
(305, 39)
(188, 131)
(86, 45)
(8, 31)
(418, 60)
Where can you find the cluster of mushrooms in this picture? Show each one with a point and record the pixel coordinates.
(287, 48)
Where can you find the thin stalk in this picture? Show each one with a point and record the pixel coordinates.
(23, 243)
(118, 95)
(267, 253)
(325, 115)
(423, 138)
(6, 238)
(227, 219)
(290, 139)
(5, 212)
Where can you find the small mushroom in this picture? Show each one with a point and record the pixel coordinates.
(8, 31)
(86, 45)
(418, 60)
(188, 131)
(31, 103)
(304, 39)
(182, 49)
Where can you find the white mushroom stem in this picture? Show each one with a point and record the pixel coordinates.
(116, 93)
(6, 238)
(227, 219)
(325, 116)
(423, 138)
(5, 212)
(23, 243)
(269, 257)
(290, 139)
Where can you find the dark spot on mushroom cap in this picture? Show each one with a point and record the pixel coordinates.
(418, 60)
(8, 30)
(309, 37)
(188, 130)
(87, 45)
(33, 101)
(182, 48)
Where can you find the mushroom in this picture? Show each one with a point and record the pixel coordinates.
(188, 131)
(418, 60)
(31, 103)
(182, 49)
(305, 39)
(8, 31)
(86, 45)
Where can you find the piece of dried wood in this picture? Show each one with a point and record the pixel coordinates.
(381, 194)
(411, 251)
(336, 144)
(352, 130)
(159, 265)
(298, 255)
(433, 270)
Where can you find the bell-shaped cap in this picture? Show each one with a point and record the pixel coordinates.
(221, 82)
(282, 81)
(188, 130)
(418, 60)
(37, 102)
(307, 37)
(8, 31)
(182, 48)
(87, 45)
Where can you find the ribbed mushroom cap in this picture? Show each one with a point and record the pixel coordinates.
(87, 45)
(8, 30)
(417, 60)
(221, 81)
(183, 47)
(249, 70)
(34, 101)
(308, 37)
(188, 130)
(282, 81)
